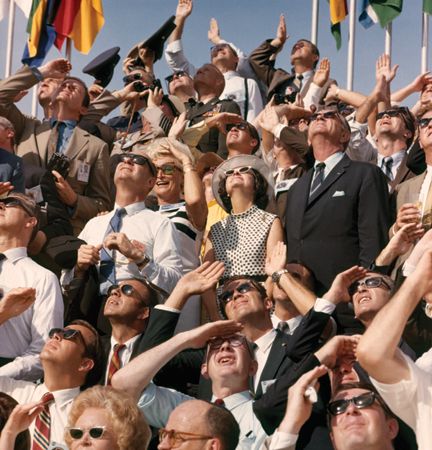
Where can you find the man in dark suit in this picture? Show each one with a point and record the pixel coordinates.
(11, 170)
(338, 213)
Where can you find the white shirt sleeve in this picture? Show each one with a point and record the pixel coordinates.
(282, 441)
(176, 59)
(359, 147)
(255, 104)
(313, 95)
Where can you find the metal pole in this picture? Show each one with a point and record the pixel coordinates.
(69, 49)
(351, 45)
(34, 101)
(425, 43)
(10, 35)
(388, 40)
(314, 22)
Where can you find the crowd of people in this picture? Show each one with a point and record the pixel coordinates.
(240, 260)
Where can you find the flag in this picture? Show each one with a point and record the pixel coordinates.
(64, 20)
(382, 11)
(24, 5)
(427, 6)
(41, 32)
(87, 24)
(338, 12)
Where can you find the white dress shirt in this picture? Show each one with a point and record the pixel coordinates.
(23, 337)
(157, 403)
(124, 354)
(293, 323)
(26, 392)
(156, 233)
(397, 160)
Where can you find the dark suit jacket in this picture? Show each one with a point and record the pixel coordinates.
(213, 141)
(11, 169)
(344, 223)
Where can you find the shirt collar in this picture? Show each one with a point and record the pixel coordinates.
(64, 396)
(133, 208)
(264, 342)
(230, 74)
(71, 124)
(234, 400)
(331, 161)
(15, 254)
(129, 343)
(293, 323)
(397, 157)
(429, 169)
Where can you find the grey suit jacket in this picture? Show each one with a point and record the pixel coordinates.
(32, 138)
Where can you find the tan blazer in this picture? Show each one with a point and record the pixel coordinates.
(32, 137)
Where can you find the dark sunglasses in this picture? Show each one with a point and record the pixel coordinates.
(14, 202)
(242, 288)
(139, 160)
(67, 333)
(240, 126)
(167, 169)
(371, 282)
(360, 401)
(215, 48)
(94, 432)
(175, 75)
(424, 122)
(390, 113)
(125, 289)
(325, 115)
(133, 77)
(244, 169)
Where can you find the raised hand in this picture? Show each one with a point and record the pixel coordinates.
(339, 289)
(383, 68)
(198, 337)
(276, 260)
(184, 8)
(67, 195)
(16, 301)
(201, 279)
(178, 126)
(57, 68)
(281, 33)
(322, 73)
(214, 32)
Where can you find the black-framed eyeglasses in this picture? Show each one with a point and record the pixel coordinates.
(424, 122)
(167, 169)
(96, 432)
(236, 340)
(68, 334)
(175, 75)
(243, 126)
(176, 438)
(324, 115)
(139, 160)
(244, 169)
(242, 288)
(215, 48)
(338, 407)
(371, 283)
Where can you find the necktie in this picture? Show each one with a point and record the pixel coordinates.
(107, 263)
(318, 178)
(42, 431)
(298, 81)
(386, 167)
(114, 364)
(283, 326)
(219, 402)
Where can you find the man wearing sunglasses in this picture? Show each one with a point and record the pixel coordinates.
(22, 337)
(71, 360)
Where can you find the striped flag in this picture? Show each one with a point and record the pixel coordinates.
(382, 11)
(338, 12)
(64, 20)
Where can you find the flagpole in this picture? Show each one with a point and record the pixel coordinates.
(69, 49)
(388, 40)
(34, 101)
(314, 22)
(351, 45)
(9, 48)
(425, 43)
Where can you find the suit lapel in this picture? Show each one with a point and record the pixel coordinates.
(334, 174)
(42, 138)
(401, 174)
(77, 142)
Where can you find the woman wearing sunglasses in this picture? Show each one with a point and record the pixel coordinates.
(242, 186)
(105, 419)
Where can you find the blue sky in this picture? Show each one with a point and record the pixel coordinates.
(246, 23)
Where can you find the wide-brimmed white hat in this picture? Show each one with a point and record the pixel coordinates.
(235, 162)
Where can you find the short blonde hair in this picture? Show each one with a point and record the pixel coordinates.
(129, 425)
(160, 148)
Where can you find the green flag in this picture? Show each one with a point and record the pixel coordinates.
(427, 6)
(387, 10)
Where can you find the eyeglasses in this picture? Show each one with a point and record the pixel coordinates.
(176, 438)
(338, 407)
(67, 333)
(167, 169)
(242, 288)
(244, 169)
(324, 115)
(243, 126)
(126, 289)
(139, 160)
(94, 432)
(389, 113)
(371, 283)
(175, 75)
(132, 77)
(10, 202)
(235, 340)
(424, 122)
(215, 49)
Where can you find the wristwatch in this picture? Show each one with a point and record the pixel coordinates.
(276, 276)
(143, 262)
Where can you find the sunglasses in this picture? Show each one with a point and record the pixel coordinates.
(67, 333)
(94, 432)
(214, 50)
(133, 77)
(371, 282)
(176, 438)
(390, 113)
(175, 75)
(139, 160)
(242, 288)
(14, 202)
(240, 126)
(125, 289)
(325, 115)
(244, 169)
(424, 123)
(167, 169)
(338, 407)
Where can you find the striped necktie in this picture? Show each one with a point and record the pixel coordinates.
(386, 167)
(115, 362)
(42, 431)
(318, 178)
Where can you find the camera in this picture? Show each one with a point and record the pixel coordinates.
(139, 86)
(60, 163)
(287, 98)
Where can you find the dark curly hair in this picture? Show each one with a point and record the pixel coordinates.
(260, 187)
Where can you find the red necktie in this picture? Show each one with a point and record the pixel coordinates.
(219, 402)
(42, 431)
(115, 362)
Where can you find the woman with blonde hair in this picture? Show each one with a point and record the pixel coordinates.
(105, 419)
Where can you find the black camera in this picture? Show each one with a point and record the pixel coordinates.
(287, 98)
(139, 86)
(60, 163)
